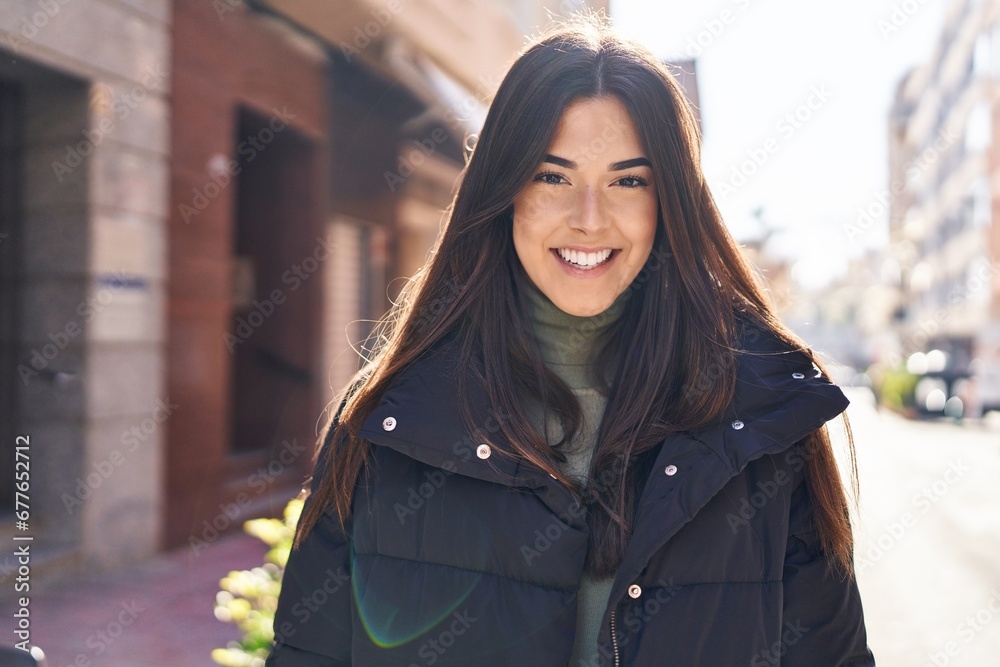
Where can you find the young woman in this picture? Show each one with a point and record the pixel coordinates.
(586, 439)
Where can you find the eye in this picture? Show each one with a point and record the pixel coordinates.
(549, 177)
(633, 181)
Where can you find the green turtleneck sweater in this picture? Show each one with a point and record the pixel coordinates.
(564, 341)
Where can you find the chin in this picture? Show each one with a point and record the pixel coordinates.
(582, 310)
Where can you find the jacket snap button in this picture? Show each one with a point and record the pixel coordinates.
(634, 591)
(798, 376)
(389, 423)
(737, 424)
(671, 469)
(483, 451)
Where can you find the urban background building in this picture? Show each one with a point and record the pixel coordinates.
(85, 160)
(943, 198)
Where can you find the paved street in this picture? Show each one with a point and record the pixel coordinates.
(928, 551)
(156, 614)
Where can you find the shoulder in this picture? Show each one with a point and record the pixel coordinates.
(779, 397)
(767, 359)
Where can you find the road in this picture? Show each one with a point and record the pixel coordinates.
(928, 537)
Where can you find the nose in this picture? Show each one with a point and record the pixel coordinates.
(590, 215)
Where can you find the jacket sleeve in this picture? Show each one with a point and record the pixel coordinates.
(822, 619)
(312, 622)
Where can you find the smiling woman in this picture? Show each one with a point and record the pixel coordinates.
(591, 219)
(584, 438)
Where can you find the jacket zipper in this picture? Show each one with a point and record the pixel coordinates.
(614, 636)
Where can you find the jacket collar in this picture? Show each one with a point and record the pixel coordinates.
(419, 415)
(779, 397)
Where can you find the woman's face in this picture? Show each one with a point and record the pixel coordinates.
(585, 222)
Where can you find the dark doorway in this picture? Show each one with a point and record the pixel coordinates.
(278, 260)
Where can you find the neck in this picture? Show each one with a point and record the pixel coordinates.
(565, 340)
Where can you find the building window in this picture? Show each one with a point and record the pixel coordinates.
(978, 130)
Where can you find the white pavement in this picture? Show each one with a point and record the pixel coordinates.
(928, 538)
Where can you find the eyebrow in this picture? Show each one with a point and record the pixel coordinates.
(614, 166)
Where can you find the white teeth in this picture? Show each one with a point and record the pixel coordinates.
(584, 260)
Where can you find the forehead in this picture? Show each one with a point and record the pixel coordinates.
(596, 128)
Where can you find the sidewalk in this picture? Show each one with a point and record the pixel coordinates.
(156, 614)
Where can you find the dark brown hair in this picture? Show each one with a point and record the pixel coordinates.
(681, 320)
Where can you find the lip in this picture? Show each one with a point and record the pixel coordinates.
(585, 273)
(580, 248)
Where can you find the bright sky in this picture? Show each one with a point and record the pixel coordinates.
(767, 59)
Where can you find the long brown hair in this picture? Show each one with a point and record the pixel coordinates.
(680, 324)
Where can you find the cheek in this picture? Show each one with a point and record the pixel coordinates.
(527, 239)
(640, 227)
(535, 218)
(545, 205)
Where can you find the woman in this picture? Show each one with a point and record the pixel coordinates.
(586, 439)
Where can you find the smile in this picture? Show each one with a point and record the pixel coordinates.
(584, 260)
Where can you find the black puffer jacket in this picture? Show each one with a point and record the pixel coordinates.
(457, 555)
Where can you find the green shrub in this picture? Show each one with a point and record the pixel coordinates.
(248, 598)
(897, 389)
